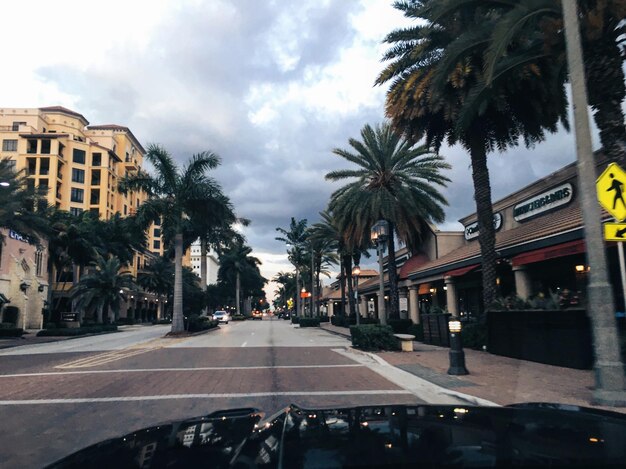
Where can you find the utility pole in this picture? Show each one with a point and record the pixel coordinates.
(608, 367)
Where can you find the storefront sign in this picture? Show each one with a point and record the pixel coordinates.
(471, 231)
(404, 304)
(17, 236)
(69, 316)
(544, 202)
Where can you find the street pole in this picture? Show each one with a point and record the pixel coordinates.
(382, 314)
(608, 368)
(356, 299)
(313, 309)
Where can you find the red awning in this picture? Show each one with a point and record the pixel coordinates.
(552, 252)
(461, 271)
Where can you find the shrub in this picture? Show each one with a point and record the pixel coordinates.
(50, 325)
(200, 323)
(68, 332)
(7, 325)
(344, 321)
(324, 319)
(373, 337)
(474, 335)
(238, 317)
(339, 321)
(11, 332)
(162, 321)
(417, 330)
(124, 321)
(295, 320)
(400, 326)
(309, 322)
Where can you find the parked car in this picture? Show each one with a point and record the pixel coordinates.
(221, 316)
(256, 314)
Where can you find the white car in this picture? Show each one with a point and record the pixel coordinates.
(221, 316)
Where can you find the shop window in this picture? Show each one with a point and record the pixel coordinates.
(78, 175)
(77, 195)
(96, 159)
(78, 156)
(9, 145)
(45, 146)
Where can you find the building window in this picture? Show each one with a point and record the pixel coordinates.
(95, 177)
(156, 244)
(32, 166)
(11, 165)
(77, 195)
(16, 126)
(96, 159)
(94, 197)
(45, 146)
(125, 209)
(78, 175)
(31, 146)
(43, 184)
(157, 232)
(38, 263)
(9, 145)
(78, 156)
(76, 211)
(44, 166)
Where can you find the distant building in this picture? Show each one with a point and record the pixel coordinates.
(194, 261)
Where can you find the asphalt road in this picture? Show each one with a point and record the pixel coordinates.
(58, 397)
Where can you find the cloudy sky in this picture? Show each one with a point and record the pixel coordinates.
(272, 86)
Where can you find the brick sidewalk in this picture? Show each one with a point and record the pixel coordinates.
(499, 379)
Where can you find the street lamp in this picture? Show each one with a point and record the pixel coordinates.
(378, 235)
(356, 271)
(457, 355)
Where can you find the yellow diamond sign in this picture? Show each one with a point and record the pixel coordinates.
(611, 189)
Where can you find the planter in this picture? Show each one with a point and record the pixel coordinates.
(553, 337)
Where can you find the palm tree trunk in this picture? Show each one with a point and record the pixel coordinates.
(484, 210)
(348, 268)
(342, 285)
(178, 324)
(297, 295)
(99, 313)
(203, 267)
(392, 271)
(237, 292)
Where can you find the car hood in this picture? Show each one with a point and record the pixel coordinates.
(519, 435)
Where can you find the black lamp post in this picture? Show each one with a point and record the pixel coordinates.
(378, 235)
(457, 355)
(356, 271)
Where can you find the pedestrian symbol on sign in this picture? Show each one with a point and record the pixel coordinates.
(610, 189)
(616, 185)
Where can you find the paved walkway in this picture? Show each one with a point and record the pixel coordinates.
(498, 379)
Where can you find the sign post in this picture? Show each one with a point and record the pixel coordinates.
(610, 188)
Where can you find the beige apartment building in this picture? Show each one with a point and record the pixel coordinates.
(79, 164)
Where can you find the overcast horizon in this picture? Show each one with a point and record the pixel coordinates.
(271, 87)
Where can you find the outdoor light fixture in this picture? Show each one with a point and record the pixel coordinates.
(24, 286)
(41, 288)
(356, 271)
(121, 291)
(457, 355)
(378, 235)
(433, 290)
(4, 184)
(580, 268)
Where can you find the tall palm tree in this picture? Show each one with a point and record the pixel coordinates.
(174, 195)
(157, 276)
(102, 290)
(294, 237)
(395, 181)
(287, 288)
(236, 264)
(435, 68)
(122, 237)
(526, 33)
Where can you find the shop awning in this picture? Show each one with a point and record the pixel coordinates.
(552, 252)
(460, 271)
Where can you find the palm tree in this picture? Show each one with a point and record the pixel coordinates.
(102, 290)
(237, 264)
(173, 197)
(526, 33)
(122, 237)
(157, 276)
(294, 237)
(395, 181)
(436, 68)
(287, 289)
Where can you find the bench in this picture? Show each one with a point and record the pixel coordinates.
(406, 341)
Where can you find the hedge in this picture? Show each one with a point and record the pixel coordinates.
(343, 321)
(295, 320)
(65, 332)
(417, 330)
(238, 317)
(400, 326)
(162, 321)
(7, 325)
(200, 323)
(373, 337)
(324, 319)
(11, 332)
(309, 322)
(474, 335)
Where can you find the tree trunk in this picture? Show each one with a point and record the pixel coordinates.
(392, 271)
(484, 211)
(178, 323)
(99, 313)
(238, 292)
(297, 296)
(347, 261)
(203, 267)
(342, 285)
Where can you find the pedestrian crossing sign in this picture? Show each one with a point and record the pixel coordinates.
(615, 231)
(611, 188)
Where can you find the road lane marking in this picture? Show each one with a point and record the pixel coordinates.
(244, 344)
(204, 368)
(205, 396)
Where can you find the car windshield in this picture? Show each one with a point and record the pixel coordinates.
(210, 204)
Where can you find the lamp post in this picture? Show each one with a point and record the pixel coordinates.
(457, 355)
(378, 235)
(303, 297)
(356, 271)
